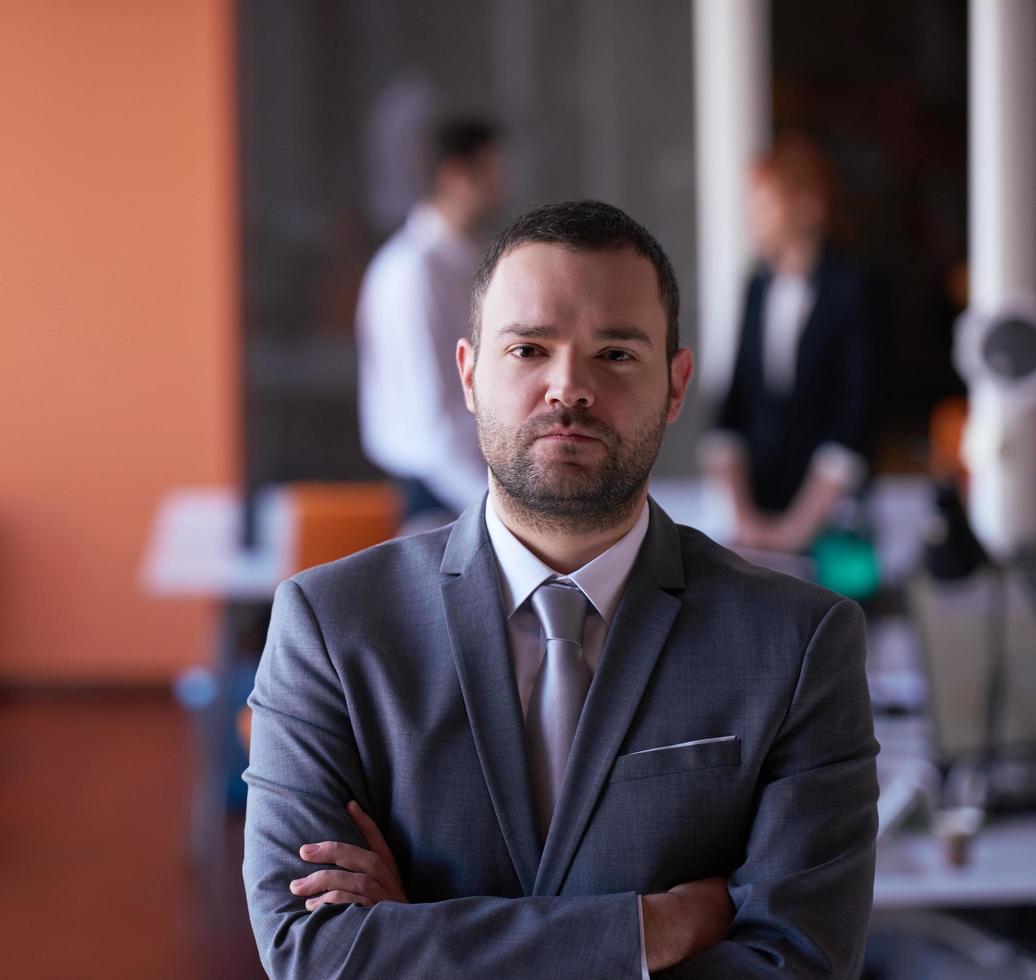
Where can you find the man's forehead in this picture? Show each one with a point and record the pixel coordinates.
(525, 250)
(529, 268)
(541, 281)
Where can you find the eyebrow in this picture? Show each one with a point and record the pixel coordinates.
(623, 333)
(530, 331)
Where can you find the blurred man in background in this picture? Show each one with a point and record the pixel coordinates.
(413, 307)
(795, 426)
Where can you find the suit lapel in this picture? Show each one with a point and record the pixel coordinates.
(637, 634)
(818, 324)
(475, 619)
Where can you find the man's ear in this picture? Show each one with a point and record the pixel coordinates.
(466, 369)
(680, 372)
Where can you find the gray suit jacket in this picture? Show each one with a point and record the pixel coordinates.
(386, 678)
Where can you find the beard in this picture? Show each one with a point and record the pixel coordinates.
(566, 491)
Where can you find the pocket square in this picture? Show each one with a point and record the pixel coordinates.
(684, 745)
(697, 754)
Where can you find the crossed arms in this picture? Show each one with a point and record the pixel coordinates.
(802, 894)
(678, 923)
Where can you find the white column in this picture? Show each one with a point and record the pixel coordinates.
(1002, 151)
(732, 116)
(999, 442)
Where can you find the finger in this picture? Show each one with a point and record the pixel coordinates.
(338, 897)
(351, 858)
(347, 856)
(368, 828)
(375, 841)
(325, 881)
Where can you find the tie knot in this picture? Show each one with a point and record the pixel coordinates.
(561, 610)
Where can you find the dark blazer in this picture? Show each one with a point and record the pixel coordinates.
(727, 731)
(834, 395)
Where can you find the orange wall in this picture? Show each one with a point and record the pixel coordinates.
(117, 321)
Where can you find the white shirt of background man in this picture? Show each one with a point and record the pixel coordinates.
(413, 307)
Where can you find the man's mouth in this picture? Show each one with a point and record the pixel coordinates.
(570, 435)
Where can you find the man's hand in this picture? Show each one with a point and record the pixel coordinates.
(781, 532)
(795, 528)
(367, 876)
(685, 921)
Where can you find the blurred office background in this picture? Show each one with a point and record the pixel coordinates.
(191, 192)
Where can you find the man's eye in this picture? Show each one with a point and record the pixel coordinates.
(618, 355)
(524, 351)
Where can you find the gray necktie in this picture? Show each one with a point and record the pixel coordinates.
(558, 693)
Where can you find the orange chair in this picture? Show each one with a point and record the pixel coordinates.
(333, 520)
(337, 519)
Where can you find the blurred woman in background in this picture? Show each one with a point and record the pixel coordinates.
(794, 428)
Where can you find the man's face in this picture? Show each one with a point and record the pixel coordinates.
(571, 389)
(778, 217)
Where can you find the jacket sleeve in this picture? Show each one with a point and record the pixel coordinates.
(803, 894)
(303, 769)
(851, 415)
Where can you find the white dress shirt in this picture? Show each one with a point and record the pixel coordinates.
(413, 307)
(786, 307)
(601, 580)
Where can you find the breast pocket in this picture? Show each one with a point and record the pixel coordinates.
(706, 753)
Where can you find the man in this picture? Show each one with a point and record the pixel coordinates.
(413, 307)
(556, 726)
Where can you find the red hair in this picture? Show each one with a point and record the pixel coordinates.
(797, 166)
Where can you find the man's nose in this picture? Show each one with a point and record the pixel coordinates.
(569, 384)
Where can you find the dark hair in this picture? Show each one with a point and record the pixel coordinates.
(461, 140)
(590, 226)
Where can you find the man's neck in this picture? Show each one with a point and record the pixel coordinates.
(455, 214)
(565, 549)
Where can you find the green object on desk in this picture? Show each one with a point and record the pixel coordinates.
(846, 562)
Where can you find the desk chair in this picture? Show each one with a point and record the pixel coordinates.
(330, 521)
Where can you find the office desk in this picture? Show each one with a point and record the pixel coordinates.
(194, 551)
(912, 872)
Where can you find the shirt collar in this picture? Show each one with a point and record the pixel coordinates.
(600, 580)
(427, 222)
